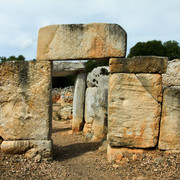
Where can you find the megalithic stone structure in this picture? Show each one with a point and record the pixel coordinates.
(81, 41)
(135, 97)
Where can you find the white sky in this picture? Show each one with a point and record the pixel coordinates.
(143, 20)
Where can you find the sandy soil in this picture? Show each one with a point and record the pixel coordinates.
(77, 158)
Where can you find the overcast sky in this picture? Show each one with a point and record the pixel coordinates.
(143, 20)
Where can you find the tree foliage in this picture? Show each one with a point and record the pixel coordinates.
(170, 49)
(12, 58)
(91, 64)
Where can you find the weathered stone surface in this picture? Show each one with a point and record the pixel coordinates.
(114, 153)
(31, 148)
(96, 110)
(170, 120)
(78, 102)
(67, 68)
(96, 101)
(138, 64)
(44, 147)
(98, 77)
(15, 147)
(172, 76)
(134, 114)
(81, 41)
(153, 84)
(25, 100)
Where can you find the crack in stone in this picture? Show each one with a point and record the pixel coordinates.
(146, 89)
(49, 44)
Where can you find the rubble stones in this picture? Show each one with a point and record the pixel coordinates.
(81, 41)
(63, 103)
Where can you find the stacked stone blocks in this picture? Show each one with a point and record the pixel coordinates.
(25, 107)
(135, 97)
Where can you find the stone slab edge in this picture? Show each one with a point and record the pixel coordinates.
(139, 64)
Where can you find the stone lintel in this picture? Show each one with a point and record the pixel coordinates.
(81, 41)
(139, 64)
(67, 68)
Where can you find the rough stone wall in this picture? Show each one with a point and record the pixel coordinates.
(63, 103)
(25, 106)
(96, 101)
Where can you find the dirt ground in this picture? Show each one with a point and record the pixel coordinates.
(77, 158)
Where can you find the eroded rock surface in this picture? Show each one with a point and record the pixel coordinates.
(138, 64)
(170, 121)
(81, 41)
(134, 112)
(96, 101)
(172, 76)
(25, 100)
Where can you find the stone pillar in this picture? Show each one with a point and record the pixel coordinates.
(96, 103)
(135, 96)
(170, 121)
(25, 107)
(78, 102)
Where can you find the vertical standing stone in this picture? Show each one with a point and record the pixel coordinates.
(26, 108)
(135, 101)
(96, 102)
(170, 121)
(78, 102)
(134, 112)
(25, 100)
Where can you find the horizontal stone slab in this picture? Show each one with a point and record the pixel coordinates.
(67, 68)
(138, 64)
(81, 41)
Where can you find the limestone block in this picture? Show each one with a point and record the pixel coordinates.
(172, 76)
(98, 77)
(81, 41)
(44, 147)
(25, 100)
(15, 147)
(153, 84)
(138, 64)
(78, 102)
(134, 114)
(61, 69)
(96, 110)
(30, 147)
(170, 120)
